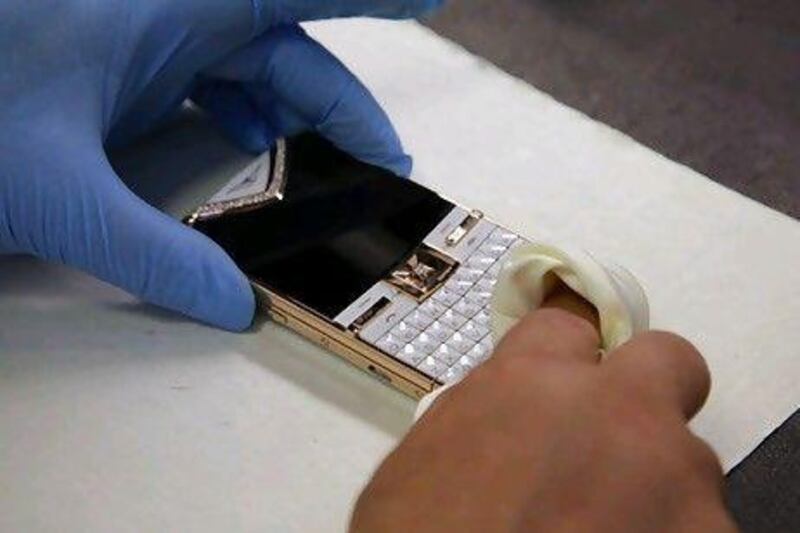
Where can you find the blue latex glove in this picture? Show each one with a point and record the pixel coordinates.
(78, 76)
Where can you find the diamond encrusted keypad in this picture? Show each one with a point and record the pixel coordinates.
(449, 334)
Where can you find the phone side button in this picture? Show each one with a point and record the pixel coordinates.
(380, 374)
(278, 317)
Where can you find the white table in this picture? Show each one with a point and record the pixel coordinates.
(115, 416)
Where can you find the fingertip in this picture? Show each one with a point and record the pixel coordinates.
(198, 279)
(288, 12)
(303, 84)
(231, 302)
(357, 123)
(171, 265)
(237, 117)
(409, 9)
(401, 165)
(241, 313)
(673, 367)
(427, 7)
(252, 140)
(405, 166)
(682, 355)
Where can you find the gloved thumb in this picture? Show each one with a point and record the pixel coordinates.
(75, 210)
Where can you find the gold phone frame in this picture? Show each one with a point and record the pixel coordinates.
(344, 343)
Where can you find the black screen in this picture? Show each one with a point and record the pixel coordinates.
(341, 227)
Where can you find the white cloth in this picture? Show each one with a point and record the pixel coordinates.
(619, 299)
(115, 417)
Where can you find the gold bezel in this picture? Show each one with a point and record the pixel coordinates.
(273, 192)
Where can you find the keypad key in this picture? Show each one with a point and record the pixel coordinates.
(419, 320)
(479, 261)
(489, 249)
(390, 344)
(474, 331)
(410, 355)
(494, 271)
(452, 319)
(404, 332)
(482, 318)
(447, 355)
(446, 296)
(453, 374)
(425, 344)
(516, 244)
(506, 256)
(486, 284)
(432, 367)
(439, 331)
(460, 343)
(503, 237)
(487, 343)
(466, 308)
(468, 274)
(433, 308)
(467, 363)
(479, 353)
(458, 286)
(479, 297)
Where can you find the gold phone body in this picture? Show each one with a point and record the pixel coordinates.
(418, 318)
(345, 344)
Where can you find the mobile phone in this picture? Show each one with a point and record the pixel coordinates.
(377, 269)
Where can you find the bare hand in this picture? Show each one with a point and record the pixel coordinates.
(544, 437)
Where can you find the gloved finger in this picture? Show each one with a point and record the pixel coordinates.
(291, 11)
(74, 210)
(235, 113)
(200, 30)
(233, 109)
(294, 80)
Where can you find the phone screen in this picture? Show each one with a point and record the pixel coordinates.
(341, 227)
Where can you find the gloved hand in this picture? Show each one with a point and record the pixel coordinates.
(79, 76)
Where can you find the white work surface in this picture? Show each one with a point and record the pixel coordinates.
(115, 416)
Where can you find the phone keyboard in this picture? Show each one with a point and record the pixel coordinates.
(449, 334)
